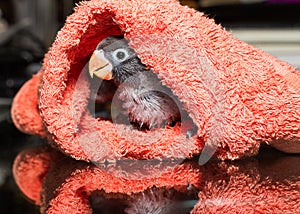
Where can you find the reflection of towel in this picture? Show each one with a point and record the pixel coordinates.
(30, 168)
(66, 186)
(265, 186)
(61, 185)
(237, 95)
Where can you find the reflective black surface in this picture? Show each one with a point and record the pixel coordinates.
(12, 142)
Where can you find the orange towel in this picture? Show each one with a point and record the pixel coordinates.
(237, 96)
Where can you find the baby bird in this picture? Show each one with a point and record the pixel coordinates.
(140, 93)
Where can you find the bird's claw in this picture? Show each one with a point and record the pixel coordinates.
(191, 132)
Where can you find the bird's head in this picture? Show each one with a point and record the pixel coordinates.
(114, 59)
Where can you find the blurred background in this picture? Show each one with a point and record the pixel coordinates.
(28, 28)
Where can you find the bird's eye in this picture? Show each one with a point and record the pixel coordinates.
(120, 55)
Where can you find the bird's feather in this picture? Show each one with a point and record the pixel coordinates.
(144, 99)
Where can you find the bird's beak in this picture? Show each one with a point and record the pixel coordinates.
(100, 66)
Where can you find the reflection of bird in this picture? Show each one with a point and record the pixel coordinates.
(147, 102)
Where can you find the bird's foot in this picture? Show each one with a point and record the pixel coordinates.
(139, 126)
(189, 128)
(191, 132)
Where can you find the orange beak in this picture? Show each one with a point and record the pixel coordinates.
(99, 66)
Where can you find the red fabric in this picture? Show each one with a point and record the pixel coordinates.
(25, 112)
(237, 95)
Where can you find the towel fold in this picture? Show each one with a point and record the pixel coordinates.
(236, 95)
(25, 112)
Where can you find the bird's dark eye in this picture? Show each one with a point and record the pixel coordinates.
(120, 54)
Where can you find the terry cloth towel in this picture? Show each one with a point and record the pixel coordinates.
(61, 185)
(264, 185)
(236, 95)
